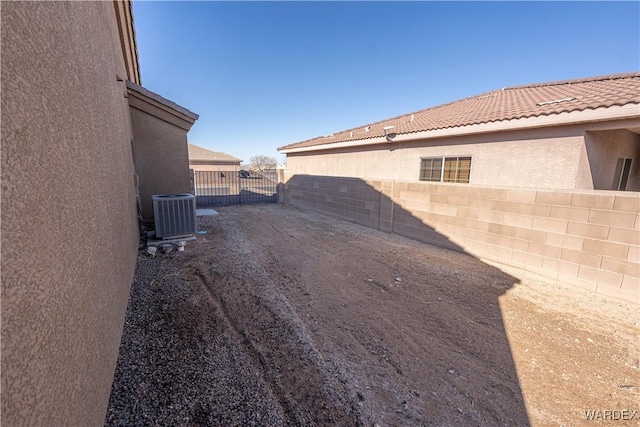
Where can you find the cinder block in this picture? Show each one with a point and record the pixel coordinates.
(505, 206)
(621, 266)
(527, 258)
(626, 203)
(588, 273)
(634, 253)
(592, 201)
(478, 203)
(535, 209)
(467, 233)
(561, 267)
(518, 220)
(570, 213)
(602, 247)
(612, 218)
(490, 238)
(631, 284)
(550, 224)
(513, 243)
(531, 235)
(541, 271)
(565, 241)
(491, 216)
(499, 252)
(606, 278)
(582, 258)
(502, 230)
(446, 210)
(624, 235)
(457, 200)
(544, 250)
(439, 198)
(594, 231)
(475, 247)
(490, 193)
(467, 213)
(553, 198)
(477, 225)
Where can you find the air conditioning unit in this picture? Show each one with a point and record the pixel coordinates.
(174, 215)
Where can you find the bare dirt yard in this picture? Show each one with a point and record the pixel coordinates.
(283, 317)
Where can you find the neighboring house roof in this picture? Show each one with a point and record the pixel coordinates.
(507, 108)
(200, 154)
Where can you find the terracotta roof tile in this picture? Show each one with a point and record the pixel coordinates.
(540, 99)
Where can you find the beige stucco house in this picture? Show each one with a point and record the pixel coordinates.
(83, 147)
(542, 177)
(201, 159)
(568, 134)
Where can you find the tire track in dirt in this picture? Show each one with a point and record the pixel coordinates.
(310, 389)
(232, 327)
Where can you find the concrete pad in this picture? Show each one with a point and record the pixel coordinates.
(206, 212)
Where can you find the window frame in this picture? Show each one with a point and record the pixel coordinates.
(622, 173)
(443, 171)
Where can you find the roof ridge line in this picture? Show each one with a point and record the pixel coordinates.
(617, 76)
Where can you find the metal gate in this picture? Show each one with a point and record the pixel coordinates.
(226, 188)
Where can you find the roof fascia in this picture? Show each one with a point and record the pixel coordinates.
(615, 112)
(154, 104)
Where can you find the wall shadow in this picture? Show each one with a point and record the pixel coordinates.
(469, 367)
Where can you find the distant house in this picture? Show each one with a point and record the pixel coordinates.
(201, 159)
(574, 134)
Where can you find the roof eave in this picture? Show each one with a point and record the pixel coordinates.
(628, 111)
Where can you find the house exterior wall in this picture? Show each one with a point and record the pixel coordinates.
(607, 146)
(161, 154)
(554, 157)
(69, 225)
(215, 168)
(588, 239)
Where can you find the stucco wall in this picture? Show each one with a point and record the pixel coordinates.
(69, 225)
(607, 147)
(584, 238)
(540, 158)
(162, 157)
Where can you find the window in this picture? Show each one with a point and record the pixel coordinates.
(622, 174)
(445, 169)
(431, 169)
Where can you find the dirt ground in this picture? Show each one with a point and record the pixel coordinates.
(281, 317)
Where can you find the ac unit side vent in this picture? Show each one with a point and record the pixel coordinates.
(174, 215)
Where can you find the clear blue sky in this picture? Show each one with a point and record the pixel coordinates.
(266, 74)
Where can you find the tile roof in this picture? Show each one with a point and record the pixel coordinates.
(202, 154)
(508, 103)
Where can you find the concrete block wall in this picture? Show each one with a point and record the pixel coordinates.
(351, 199)
(588, 239)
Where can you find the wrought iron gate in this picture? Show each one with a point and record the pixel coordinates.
(228, 188)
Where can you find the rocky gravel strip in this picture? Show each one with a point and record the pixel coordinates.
(179, 363)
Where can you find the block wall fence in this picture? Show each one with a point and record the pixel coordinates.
(588, 239)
